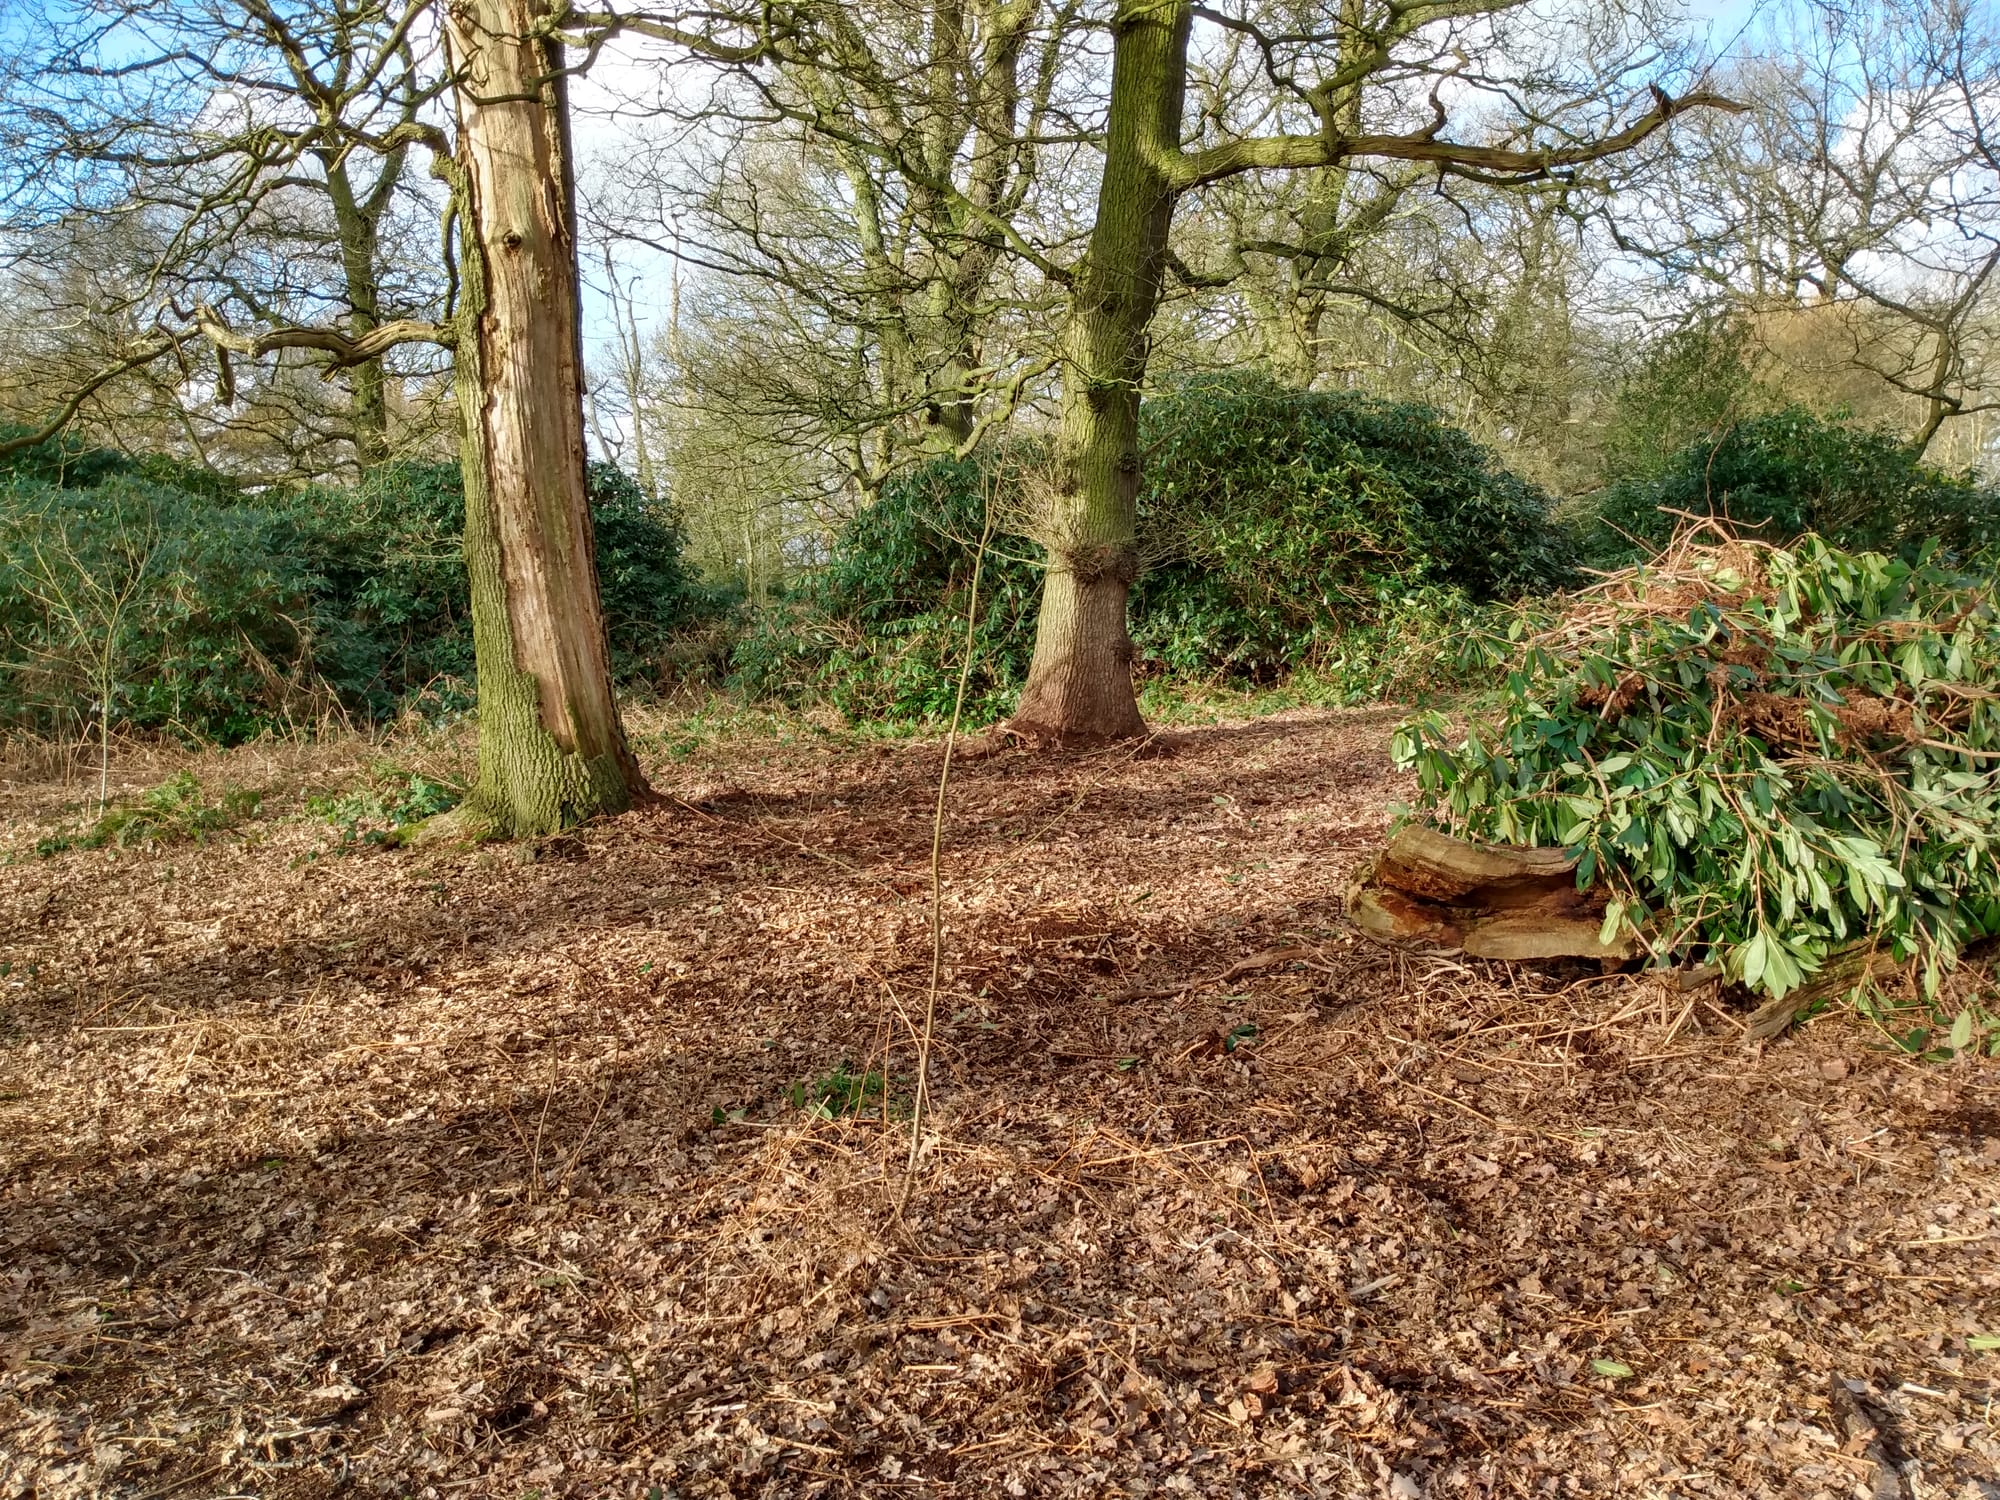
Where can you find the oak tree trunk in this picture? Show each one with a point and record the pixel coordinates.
(551, 750)
(1079, 687)
(358, 232)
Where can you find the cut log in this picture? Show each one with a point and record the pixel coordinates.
(1430, 890)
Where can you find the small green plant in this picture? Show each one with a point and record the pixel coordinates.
(1927, 1028)
(843, 1093)
(176, 811)
(1972, 1026)
(394, 800)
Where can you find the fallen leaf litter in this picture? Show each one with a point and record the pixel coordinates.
(445, 1173)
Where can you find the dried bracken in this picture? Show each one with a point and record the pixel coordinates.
(446, 1173)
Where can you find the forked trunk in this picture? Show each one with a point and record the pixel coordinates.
(551, 750)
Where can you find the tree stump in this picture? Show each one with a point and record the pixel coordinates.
(1430, 890)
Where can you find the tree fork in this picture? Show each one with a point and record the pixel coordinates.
(1079, 685)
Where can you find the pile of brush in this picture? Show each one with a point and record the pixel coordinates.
(1784, 761)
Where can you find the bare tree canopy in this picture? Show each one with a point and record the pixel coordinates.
(1853, 212)
(257, 159)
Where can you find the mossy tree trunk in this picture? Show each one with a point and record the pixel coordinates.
(551, 749)
(1331, 226)
(1079, 688)
(358, 230)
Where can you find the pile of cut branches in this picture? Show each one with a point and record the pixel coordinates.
(1782, 760)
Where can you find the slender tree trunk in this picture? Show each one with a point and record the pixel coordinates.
(1327, 250)
(888, 319)
(947, 414)
(360, 241)
(951, 326)
(1328, 242)
(551, 750)
(1079, 687)
(635, 387)
(944, 323)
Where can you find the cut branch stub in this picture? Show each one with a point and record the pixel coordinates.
(1487, 900)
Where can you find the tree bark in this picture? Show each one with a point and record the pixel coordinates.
(359, 239)
(551, 749)
(1079, 688)
(1431, 890)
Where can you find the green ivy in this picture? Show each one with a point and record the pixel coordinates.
(393, 799)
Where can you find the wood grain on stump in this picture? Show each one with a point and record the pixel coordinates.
(1487, 900)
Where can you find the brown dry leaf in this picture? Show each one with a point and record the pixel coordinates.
(441, 1174)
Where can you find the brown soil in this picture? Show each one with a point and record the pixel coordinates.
(442, 1173)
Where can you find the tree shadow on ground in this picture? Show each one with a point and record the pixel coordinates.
(588, 1260)
(254, 1274)
(656, 867)
(548, 1195)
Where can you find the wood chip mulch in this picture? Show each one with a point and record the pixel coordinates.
(452, 1173)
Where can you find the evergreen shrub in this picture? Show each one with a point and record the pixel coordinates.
(1282, 522)
(227, 611)
(1786, 474)
(879, 631)
(1280, 529)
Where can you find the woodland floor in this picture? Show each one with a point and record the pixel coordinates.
(447, 1173)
